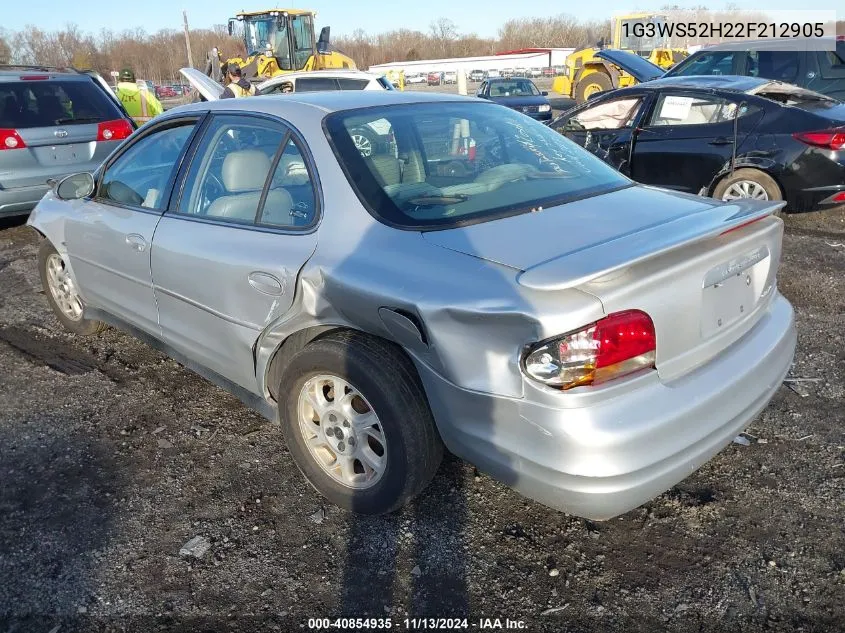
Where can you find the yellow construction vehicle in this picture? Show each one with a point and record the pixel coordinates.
(591, 70)
(278, 41)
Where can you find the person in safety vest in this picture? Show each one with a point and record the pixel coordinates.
(141, 104)
(238, 86)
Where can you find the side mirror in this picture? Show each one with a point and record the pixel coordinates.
(323, 41)
(545, 93)
(75, 186)
(231, 26)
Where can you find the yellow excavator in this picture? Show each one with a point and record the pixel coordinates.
(277, 41)
(590, 70)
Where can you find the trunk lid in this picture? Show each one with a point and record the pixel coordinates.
(703, 270)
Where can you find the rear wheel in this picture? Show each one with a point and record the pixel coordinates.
(747, 184)
(62, 295)
(591, 84)
(357, 422)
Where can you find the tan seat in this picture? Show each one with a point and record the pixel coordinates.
(244, 173)
(386, 169)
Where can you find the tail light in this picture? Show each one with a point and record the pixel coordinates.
(10, 139)
(620, 344)
(829, 139)
(113, 130)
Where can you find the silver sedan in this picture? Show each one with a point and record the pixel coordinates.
(475, 281)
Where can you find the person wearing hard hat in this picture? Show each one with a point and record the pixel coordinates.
(141, 104)
(238, 86)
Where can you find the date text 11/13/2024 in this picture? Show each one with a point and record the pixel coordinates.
(417, 624)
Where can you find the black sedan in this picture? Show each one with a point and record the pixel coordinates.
(518, 94)
(723, 136)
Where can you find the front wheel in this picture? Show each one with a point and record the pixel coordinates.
(590, 85)
(62, 295)
(357, 422)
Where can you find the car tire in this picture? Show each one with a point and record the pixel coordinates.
(592, 83)
(365, 142)
(60, 290)
(379, 377)
(757, 184)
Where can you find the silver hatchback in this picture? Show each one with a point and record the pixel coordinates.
(475, 281)
(53, 122)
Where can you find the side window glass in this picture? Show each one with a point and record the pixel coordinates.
(229, 170)
(348, 83)
(141, 174)
(685, 110)
(777, 65)
(315, 84)
(610, 115)
(290, 201)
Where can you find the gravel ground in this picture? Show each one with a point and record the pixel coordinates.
(112, 457)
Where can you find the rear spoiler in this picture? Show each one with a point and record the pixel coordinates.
(580, 267)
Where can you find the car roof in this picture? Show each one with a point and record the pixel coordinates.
(15, 72)
(769, 43)
(736, 83)
(328, 101)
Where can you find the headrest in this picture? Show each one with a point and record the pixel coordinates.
(245, 170)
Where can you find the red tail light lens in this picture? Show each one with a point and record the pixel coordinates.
(113, 130)
(618, 345)
(10, 139)
(829, 139)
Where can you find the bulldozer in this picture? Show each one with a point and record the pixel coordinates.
(277, 41)
(590, 70)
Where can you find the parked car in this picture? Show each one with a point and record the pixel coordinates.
(306, 81)
(524, 312)
(476, 75)
(435, 78)
(549, 72)
(52, 122)
(450, 77)
(821, 71)
(518, 94)
(165, 91)
(492, 73)
(725, 136)
(416, 78)
(535, 72)
(507, 72)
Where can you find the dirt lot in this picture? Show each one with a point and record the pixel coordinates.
(112, 457)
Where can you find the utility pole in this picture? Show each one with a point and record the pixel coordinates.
(188, 40)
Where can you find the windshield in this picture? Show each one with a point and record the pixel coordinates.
(265, 33)
(439, 165)
(515, 88)
(652, 31)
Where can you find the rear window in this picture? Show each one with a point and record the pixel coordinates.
(44, 103)
(440, 165)
(347, 83)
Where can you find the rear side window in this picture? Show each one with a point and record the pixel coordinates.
(45, 103)
(315, 84)
(347, 83)
(687, 110)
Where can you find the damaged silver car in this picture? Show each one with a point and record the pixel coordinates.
(474, 281)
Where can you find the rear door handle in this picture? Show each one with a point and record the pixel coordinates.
(721, 140)
(266, 283)
(136, 242)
